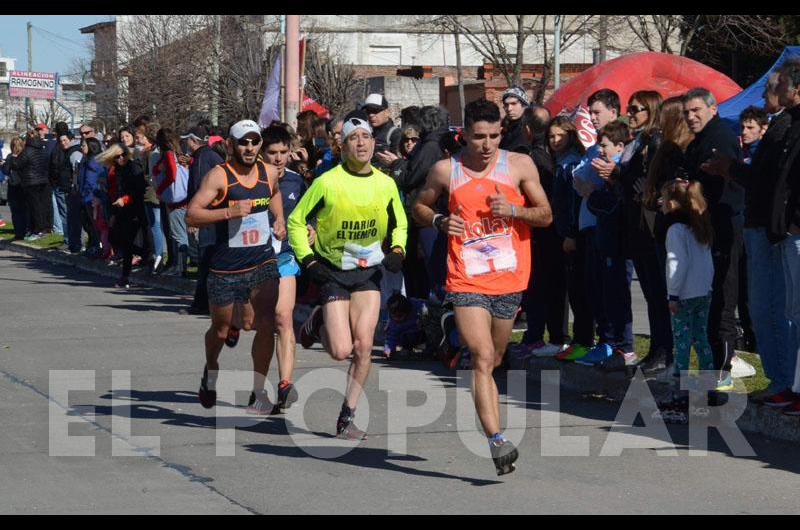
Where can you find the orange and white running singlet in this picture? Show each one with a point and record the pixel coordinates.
(493, 255)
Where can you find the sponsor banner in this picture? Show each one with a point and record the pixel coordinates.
(37, 85)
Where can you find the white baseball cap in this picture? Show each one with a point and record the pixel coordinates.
(352, 124)
(242, 128)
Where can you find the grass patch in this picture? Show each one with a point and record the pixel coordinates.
(7, 232)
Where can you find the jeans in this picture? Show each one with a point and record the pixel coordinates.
(689, 326)
(39, 201)
(72, 232)
(725, 296)
(154, 220)
(60, 212)
(583, 324)
(177, 229)
(791, 271)
(773, 330)
(545, 301)
(433, 244)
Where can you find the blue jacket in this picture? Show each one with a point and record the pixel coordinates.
(584, 171)
(89, 172)
(566, 200)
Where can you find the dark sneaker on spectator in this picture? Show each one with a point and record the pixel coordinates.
(309, 331)
(208, 398)
(781, 399)
(233, 337)
(654, 363)
(287, 394)
(618, 361)
(793, 409)
(123, 283)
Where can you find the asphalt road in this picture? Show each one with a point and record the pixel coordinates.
(59, 319)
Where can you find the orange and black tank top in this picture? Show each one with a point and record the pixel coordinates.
(493, 254)
(243, 244)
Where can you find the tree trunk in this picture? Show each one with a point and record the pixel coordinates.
(520, 50)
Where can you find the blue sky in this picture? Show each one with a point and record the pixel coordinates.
(53, 51)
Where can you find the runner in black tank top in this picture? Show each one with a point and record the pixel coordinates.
(237, 198)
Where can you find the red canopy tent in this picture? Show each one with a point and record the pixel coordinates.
(669, 75)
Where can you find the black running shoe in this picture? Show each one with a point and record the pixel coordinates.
(233, 337)
(504, 455)
(346, 429)
(655, 362)
(287, 395)
(259, 405)
(208, 398)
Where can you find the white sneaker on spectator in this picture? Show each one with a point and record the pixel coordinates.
(541, 349)
(741, 368)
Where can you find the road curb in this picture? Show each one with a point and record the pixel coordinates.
(757, 418)
(138, 278)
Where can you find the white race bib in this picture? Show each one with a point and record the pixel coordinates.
(250, 231)
(495, 254)
(358, 257)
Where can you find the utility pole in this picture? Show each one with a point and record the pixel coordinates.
(461, 102)
(83, 96)
(557, 44)
(215, 72)
(603, 44)
(292, 69)
(28, 107)
(283, 68)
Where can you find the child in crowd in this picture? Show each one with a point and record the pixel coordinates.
(753, 122)
(403, 328)
(610, 271)
(690, 272)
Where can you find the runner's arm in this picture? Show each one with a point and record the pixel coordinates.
(398, 221)
(539, 214)
(435, 184)
(311, 201)
(276, 205)
(212, 187)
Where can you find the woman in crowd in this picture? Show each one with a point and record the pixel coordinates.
(90, 173)
(168, 144)
(128, 207)
(20, 214)
(147, 153)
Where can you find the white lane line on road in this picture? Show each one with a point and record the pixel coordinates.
(184, 471)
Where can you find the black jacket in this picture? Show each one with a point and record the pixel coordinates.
(725, 198)
(33, 164)
(410, 174)
(514, 138)
(387, 138)
(786, 198)
(637, 237)
(130, 183)
(62, 174)
(13, 175)
(759, 178)
(203, 161)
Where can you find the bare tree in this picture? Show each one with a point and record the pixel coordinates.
(330, 82)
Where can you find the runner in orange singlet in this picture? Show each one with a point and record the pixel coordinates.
(494, 196)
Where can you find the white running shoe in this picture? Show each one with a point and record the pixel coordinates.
(741, 368)
(541, 349)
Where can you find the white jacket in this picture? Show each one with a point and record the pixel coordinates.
(690, 269)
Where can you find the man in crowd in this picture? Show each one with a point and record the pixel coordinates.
(725, 205)
(515, 101)
(486, 274)
(385, 132)
(63, 168)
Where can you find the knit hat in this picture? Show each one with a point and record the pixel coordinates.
(517, 92)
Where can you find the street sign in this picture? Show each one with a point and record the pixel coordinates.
(36, 85)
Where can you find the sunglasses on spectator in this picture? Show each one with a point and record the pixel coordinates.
(411, 139)
(633, 109)
(85, 133)
(244, 142)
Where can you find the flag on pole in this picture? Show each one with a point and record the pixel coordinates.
(270, 106)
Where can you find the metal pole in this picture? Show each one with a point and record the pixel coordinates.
(215, 72)
(461, 100)
(28, 108)
(557, 43)
(83, 96)
(292, 68)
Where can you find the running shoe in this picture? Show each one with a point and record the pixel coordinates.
(504, 455)
(573, 352)
(781, 399)
(33, 237)
(233, 337)
(208, 398)
(465, 359)
(542, 349)
(793, 409)
(259, 404)
(654, 363)
(741, 368)
(287, 394)
(309, 331)
(725, 384)
(346, 429)
(599, 353)
(618, 361)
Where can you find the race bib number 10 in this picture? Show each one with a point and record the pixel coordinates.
(250, 231)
